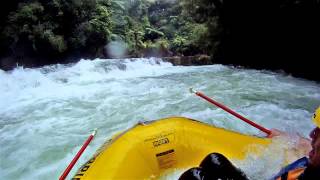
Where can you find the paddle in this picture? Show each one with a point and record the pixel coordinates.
(75, 159)
(231, 111)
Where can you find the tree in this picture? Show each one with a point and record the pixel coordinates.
(55, 28)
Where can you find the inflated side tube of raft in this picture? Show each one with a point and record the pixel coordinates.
(151, 149)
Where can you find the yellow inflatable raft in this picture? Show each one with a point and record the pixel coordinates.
(149, 150)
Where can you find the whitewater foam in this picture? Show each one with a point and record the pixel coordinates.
(47, 113)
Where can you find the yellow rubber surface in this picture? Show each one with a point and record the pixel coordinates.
(147, 151)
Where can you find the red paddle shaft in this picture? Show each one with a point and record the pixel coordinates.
(75, 159)
(232, 112)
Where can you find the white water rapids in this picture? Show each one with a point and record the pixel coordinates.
(47, 113)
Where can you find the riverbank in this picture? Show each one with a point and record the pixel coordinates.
(305, 70)
(189, 60)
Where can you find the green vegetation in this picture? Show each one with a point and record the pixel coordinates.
(162, 28)
(232, 32)
(57, 28)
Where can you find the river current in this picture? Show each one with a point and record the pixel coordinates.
(47, 113)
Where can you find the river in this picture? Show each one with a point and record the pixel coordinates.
(47, 113)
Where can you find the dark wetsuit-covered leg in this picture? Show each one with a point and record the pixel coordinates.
(310, 173)
(213, 167)
(217, 166)
(193, 174)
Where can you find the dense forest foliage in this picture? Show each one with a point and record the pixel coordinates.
(260, 34)
(53, 29)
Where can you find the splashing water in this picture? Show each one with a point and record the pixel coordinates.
(47, 113)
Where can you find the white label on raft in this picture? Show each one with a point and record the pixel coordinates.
(162, 147)
(166, 159)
